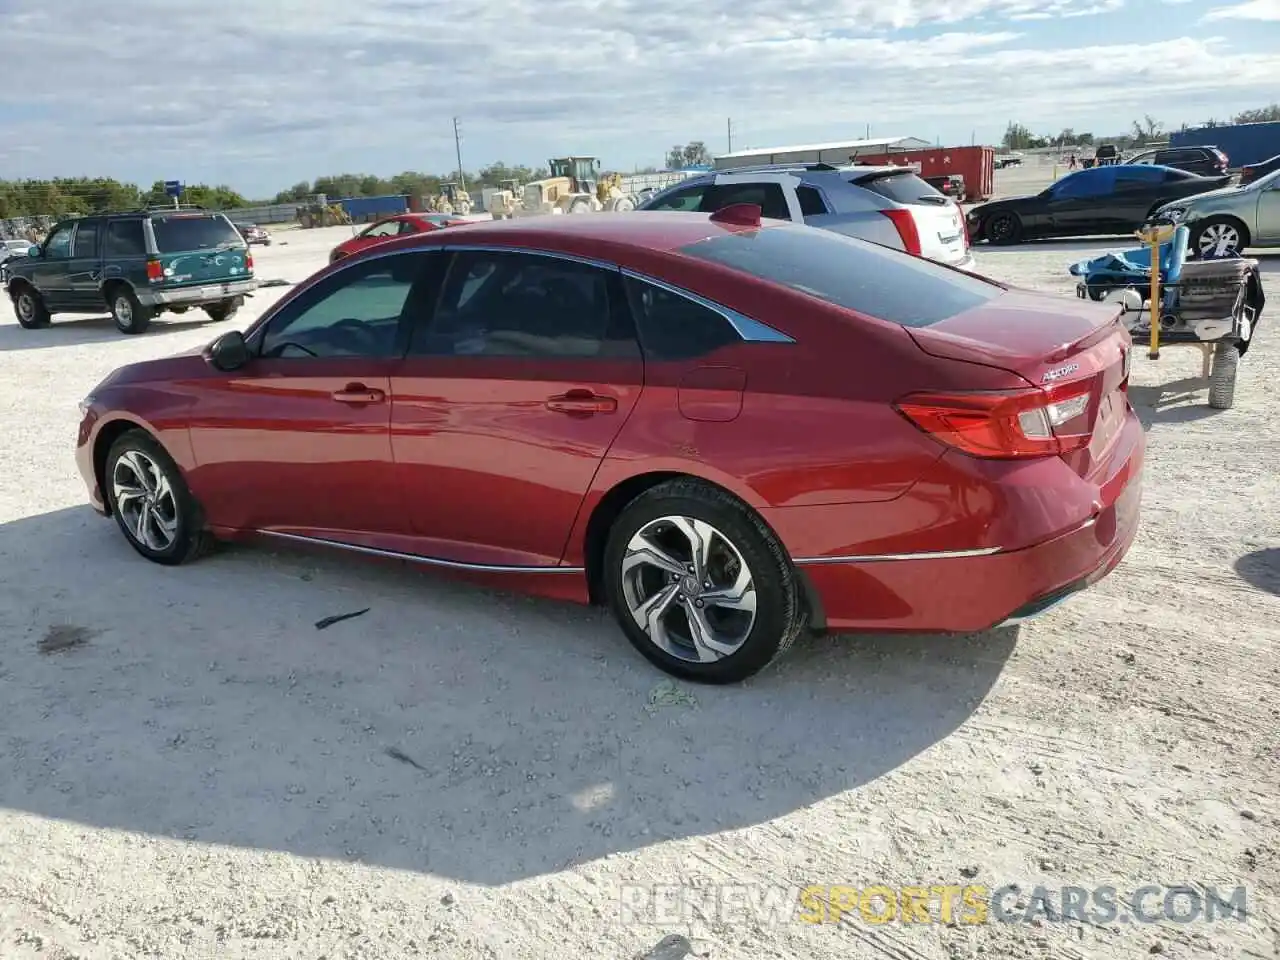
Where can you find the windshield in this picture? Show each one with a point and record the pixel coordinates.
(178, 234)
(864, 277)
(1265, 182)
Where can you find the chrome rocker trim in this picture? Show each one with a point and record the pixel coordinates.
(416, 558)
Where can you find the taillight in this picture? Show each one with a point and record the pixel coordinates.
(155, 271)
(248, 260)
(906, 225)
(1005, 424)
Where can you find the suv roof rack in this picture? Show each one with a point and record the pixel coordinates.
(168, 208)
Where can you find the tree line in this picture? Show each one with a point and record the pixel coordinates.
(68, 196)
(1018, 136)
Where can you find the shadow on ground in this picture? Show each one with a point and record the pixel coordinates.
(449, 729)
(1178, 401)
(70, 333)
(1261, 569)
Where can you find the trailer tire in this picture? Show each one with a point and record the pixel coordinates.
(1222, 376)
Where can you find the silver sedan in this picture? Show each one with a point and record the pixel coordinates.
(1226, 221)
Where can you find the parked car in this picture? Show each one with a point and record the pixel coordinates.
(1003, 162)
(401, 225)
(253, 233)
(726, 429)
(1253, 171)
(10, 249)
(1205, 161)
(137, 264)
(1099, 201)
(1225, 222)
(884, 204)
(949, 185)
(1105, 155)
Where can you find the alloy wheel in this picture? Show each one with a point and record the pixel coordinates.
(124, 311)
(26, 307)
(688, 588)
(1219, 239)
(144, 499)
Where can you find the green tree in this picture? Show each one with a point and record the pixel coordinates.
(692, 154)
(1259, 115)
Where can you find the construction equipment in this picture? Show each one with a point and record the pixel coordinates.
(572, 188)
(323, 215)
(611, 195)
(504, 201)
(453, 199)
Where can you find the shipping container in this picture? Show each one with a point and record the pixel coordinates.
(976, 164)
(364, 209)
(1243, 143)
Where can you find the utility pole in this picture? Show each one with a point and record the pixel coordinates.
(457, 146)
(729, 129)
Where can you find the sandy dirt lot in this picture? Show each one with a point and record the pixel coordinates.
(193, 770)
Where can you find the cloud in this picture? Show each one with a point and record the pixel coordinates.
(263, 94)
(1253, 10)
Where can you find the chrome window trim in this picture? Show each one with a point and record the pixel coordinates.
(417, 558)
(751, 331)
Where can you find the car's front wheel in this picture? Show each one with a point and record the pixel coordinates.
(149, 498)
(1004, 228)
(700, 585)
(1219, 237)
(30, 309)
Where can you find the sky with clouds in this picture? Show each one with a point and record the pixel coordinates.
(263, 93)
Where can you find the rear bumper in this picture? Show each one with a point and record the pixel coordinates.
(204, 293)
(964, 591)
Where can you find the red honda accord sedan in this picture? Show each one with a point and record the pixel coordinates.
(726, 431)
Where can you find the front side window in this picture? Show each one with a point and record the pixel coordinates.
(58, 246)
(355, 312)
(505, 304)
(390, 228)
(86, 241)
(685, 200)
(767, 196)
(1087, 183)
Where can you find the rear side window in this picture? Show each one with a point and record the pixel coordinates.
(854, 274)
(1173, 175)
(86, 242)
(673, 327)
(767, 196)
(179, 234)
(124, 239)
(811, 202)
(900, 188)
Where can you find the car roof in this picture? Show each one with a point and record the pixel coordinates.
(582, 234)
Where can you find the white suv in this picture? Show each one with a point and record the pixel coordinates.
(890, 206)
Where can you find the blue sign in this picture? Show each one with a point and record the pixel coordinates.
(173, 188)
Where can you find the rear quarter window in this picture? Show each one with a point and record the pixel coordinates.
(901, 188)
(860, 276)
(178, 234)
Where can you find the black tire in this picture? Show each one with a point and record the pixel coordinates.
(223, 309)
(1003, 228)
(189, 538)
(1212, 224)
(779, 615)
(1098, 292)
(127, 311)
(29, 308)
(1222, 375)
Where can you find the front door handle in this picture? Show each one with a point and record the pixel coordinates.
(358, 393)
(581, 402)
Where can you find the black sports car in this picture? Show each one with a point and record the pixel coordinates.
(1101, 201)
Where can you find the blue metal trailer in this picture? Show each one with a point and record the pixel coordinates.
(1243, 143)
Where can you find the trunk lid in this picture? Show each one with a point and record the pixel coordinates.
(1059, 345)
(938, 220)
(199, 248)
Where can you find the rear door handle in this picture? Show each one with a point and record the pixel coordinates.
(358, 393)
(581, 402)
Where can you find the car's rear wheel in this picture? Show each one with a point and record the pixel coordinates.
(1219, 237)
(699, 583)
(1004, 228)
(149, 498)
(223, 309)
(30, 309)
(129, 314)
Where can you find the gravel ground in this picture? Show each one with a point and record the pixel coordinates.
(193, 770)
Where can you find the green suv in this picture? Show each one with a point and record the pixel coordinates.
(136, 265)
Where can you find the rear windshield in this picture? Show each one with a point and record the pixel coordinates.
(900, 187)
(855, 274)
(182, 233)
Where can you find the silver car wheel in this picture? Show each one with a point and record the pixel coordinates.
(145, 501)
(26, 307)
(689, 589)
(123, 311)
(1219, 239)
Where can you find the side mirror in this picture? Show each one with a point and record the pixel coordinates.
(34, 250)
(229, 351)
